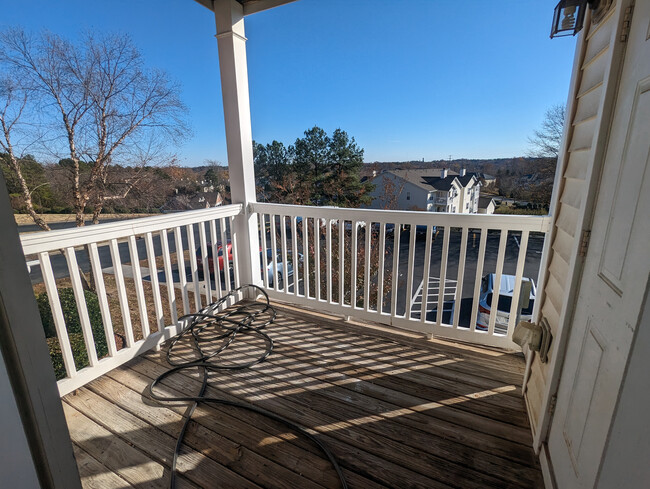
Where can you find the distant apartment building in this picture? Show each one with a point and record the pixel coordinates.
(433, 190)
(486, 205)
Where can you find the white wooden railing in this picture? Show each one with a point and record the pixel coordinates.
(135, 287)
(359, 273)
(360, 276)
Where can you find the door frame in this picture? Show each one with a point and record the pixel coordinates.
(28, 364)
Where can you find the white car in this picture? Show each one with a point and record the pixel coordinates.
(281, 273)
(504, 302)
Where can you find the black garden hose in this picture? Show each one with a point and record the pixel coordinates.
(208, 328)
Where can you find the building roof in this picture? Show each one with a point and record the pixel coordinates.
(199, 200)
(484, 201)
(431, 179)
(441, 183)
(467, 178)
(485, 176)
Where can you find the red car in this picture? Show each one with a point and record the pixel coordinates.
(199, 257)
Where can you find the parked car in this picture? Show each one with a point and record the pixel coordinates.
(220, 261)
(506, 290)
(270, 271)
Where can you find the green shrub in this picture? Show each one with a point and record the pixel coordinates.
(73, 326)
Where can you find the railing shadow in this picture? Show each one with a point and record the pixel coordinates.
(389, 410)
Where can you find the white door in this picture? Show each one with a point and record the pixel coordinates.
(614, 280)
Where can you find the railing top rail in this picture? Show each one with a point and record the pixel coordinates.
(418, 218)
(54, 240)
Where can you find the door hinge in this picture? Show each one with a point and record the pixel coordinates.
(551, 405)
(627, 22)
(584, 242)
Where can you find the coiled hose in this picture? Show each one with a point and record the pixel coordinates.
(217, 331)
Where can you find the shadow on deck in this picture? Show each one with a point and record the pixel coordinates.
(395, 410)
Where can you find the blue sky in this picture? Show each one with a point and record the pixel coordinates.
(408, 79)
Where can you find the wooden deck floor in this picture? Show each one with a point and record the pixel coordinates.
(396, 412)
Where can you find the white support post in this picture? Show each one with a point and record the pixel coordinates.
(34, 437)
(229, 16)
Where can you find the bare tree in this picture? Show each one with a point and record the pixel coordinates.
(12, 106)
(546, 141)
(100, 104)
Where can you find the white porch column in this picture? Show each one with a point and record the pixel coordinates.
(229, 16)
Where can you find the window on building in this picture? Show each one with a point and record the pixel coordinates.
(408, 195)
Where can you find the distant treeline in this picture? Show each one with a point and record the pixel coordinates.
(134, 189)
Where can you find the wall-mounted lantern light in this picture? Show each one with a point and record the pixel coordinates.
(569, 16)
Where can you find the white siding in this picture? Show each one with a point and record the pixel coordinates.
(392, 192)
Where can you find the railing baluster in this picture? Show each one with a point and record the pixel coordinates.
(180, 260)
(100, 287)
(194, 268)
(516, 293)
(121, 240)
(497, 280)
(155, 285)
(328, 257)
(169, 277)
(226, 255)
(274, 251)
(121, 292)
(305, 255)
(382, 265)
(341, 262)
(366, 275)
(283, 246)
(57, 314)
(395, 277)
(82, 309)
(354, 256)
(235, 256)
(215, 259)
(443, 275)
(206, 263)
(409, 274)
(295, 262)
(139, 289)
(461, 277)
(317, 285)
(263, 242)
(425, 277)
(480, 260)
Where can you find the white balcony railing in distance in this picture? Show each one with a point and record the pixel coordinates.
(144, 271)
(421, 271)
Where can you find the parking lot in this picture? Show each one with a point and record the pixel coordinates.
(531, 267)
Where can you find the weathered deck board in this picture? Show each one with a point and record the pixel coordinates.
(396, 411)
(95, 475)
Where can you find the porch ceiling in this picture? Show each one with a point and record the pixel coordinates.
(251, 6)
